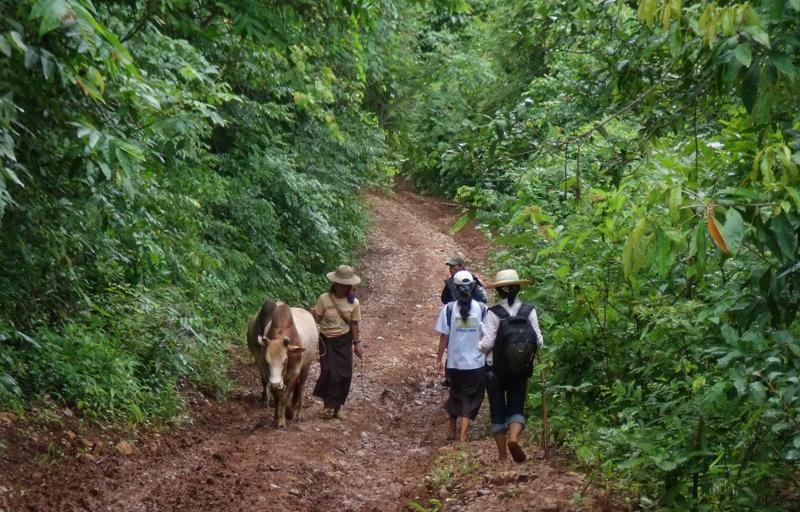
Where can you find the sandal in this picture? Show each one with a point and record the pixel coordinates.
(338, 414)
(327, 413)
(516, 452)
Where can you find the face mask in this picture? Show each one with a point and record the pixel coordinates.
(464, 290)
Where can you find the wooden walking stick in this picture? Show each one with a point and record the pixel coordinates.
(545, 424)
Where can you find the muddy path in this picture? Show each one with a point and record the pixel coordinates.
(390, 449)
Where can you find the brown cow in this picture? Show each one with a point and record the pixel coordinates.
(283, 341)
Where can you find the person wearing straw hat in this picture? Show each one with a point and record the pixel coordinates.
(337, 312)
(511, 336)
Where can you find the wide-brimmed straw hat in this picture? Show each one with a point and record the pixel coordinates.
(344, 275)
(507, 277)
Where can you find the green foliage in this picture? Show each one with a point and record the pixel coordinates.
(640, 163)
(435, 506)
(166, 166)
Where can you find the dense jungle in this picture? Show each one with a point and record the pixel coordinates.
(165, 166)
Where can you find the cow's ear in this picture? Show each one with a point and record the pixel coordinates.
(294, 349)
(285, 341)
(261, 341)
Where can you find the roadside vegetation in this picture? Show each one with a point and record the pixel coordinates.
(167, 165)
(639, 161)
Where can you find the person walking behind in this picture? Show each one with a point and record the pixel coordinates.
(338, 313)
(459, 328)
(511, 336)
(456, 264)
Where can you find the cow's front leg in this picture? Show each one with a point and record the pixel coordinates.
(265, 394)
(297, 402)
(280, 411)
(291, 390)
(276, 404)
(297, 399)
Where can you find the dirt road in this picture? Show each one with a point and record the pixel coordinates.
(390, 449)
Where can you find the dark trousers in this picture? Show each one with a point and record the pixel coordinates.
(506, 399)
(336, 369)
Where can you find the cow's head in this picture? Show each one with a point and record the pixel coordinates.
(276, 352)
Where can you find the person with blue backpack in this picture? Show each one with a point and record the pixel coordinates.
(449, 293)
(459, 328)
(511, 337)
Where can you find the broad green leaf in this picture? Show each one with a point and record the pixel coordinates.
(758, 35)
(16, 39)
(667, 465)
(750, 86)
(708, 24)
(793, 454)
(53, 14)
(94, 136)
(728, 22)
(631, 250)
(105, 168)
(786, 66)
(31, 57)
(785, 236)
(97, 79)
(122, 52)
(740, 383)
(5, 48)
(647, 11)
(743, 54)
(733, 230)
(664, 254)
(13, 176)
(795, 195)
(675, 202)
(47, 66)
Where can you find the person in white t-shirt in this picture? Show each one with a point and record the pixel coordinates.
(459, 328)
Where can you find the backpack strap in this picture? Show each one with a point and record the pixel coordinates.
(500, 311)
(525, 310)
(449, 314)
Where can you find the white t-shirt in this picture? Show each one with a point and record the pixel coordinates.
(463, 347)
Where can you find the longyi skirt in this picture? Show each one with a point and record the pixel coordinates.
(467, 388)
(336, 369)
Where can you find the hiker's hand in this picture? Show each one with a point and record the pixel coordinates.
(357, 351)
(439, 368)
